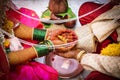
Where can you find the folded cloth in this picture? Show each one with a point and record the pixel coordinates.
(106, 23)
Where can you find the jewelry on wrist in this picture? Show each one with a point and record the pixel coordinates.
(44, 48)
(39, 34)
(80, 54)
(50, 45)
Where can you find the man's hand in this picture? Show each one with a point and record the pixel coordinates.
(69, 54)
(74, 53)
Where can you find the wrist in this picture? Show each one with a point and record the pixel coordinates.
(17, 25)
(39, 34)
(80, 55)
(44, 48)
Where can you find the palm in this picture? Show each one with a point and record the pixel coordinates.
(62, 36)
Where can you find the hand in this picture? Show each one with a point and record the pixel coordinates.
(74, 53)
(62, 36)
(69, 54)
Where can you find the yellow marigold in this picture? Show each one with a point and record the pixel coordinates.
(6, 43)
(111, 50)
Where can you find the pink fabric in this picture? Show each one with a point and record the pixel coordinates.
(33, 71)
(25, 20)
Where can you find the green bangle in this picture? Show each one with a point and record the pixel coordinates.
(50, 45)
(39, 34)
(44, 48)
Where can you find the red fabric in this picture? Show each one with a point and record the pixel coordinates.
(85, 8)
(103, 44)
(89, 6)
(99, 76)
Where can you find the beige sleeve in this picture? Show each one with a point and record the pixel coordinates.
(105, 64)
(118, 32)
(106, 23)
(103, 28)
(86, 38)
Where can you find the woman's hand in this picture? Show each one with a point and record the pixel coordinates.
(60, 37)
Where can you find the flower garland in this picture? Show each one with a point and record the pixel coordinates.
(111, 50)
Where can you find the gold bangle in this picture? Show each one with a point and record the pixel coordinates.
(79, 55)
(35, 52)
(32, 33)
(47, 35)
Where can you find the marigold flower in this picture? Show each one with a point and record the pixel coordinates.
(111, 50)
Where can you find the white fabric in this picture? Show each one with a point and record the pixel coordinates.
(15, 44)
(103, 29)
(109, 65)
(118, 32)
(106, 23)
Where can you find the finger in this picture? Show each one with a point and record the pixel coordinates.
(64, 48)
(57, 42)
(68, 54)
